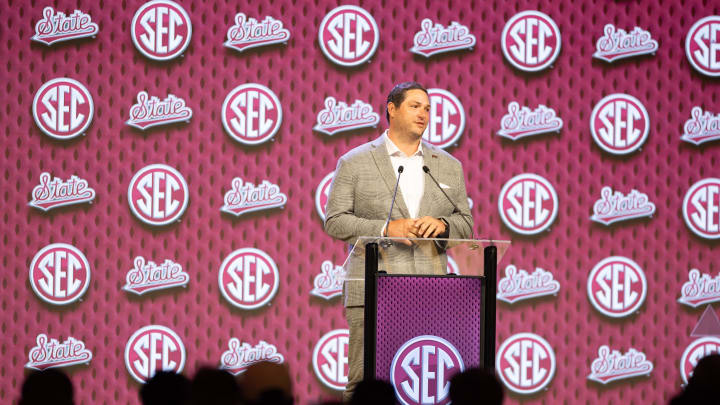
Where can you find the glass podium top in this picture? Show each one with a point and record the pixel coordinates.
(423, 256)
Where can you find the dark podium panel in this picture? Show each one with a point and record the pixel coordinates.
(423, 325)
(447, 307)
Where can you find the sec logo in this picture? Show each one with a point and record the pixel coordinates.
(422, 368)
(702, 46)
(528, 204)
(701, 208)
(531, 41)
(251, 114)
(619, 124)
(348, 35)
(63, 108)
(525, 363)
(617, 286)
(151, 349)
(447, 119)
(322, 193)
(330, 359)
(158, 194)
(59, 274)
(161, 30)
(248, 278)
(698, 349)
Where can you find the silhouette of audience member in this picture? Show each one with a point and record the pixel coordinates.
(476, 386)
(266, 383)
(703, 386)
(373, 392)
(165, 388)
(214, 387)
(47, 387)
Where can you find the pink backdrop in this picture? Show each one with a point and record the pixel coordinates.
(298, 158)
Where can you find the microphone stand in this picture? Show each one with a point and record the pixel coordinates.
(392, 204)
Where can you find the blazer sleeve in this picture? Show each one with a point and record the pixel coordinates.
(340, 219)
(459, 229)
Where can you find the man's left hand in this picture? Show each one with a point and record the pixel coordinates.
(429, 227)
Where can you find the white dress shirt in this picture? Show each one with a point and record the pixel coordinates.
(412, 180)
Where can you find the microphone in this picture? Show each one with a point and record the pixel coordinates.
(392, 204)
(427, 170)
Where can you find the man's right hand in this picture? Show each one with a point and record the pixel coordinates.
(402, 228)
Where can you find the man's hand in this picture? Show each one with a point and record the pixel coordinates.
(425, 227)
(402, 228)
(429, 227)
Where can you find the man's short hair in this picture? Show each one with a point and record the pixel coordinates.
(397, 94)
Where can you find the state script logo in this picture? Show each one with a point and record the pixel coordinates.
(348, 35)
(50, 353)
(619, 124)
(615, 366)
(330, 359)
(240, 356)
(700, 289)
(528, 204)
(695, 351)
(57, 193)
(151, 112)
(701, 208)
(322, 194)
(452, 266)
(151, 349)
(146, 277)
(422, 368)
(161, 30)
(702, 127)
(246, 197)
(434, 39)
(250, 33)
(520, 285)
(251, 114)
(617, 287)
(618, 44)
(59, 274)
(703, 44)
(339, 117)
(63, 108)
(248, 278)
(525, 363)
(614, 206)
(158, 194)
(531, 41)
(328, 284)
(57, 27)
(447, 119)
(521, 122)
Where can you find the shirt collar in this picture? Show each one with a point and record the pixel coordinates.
(393, 150)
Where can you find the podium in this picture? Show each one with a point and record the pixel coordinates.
(429, 307)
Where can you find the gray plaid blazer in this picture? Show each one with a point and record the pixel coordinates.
(359, 201)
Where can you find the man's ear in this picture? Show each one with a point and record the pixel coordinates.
(391, 108)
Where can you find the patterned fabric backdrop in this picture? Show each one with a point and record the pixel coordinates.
(643, 318)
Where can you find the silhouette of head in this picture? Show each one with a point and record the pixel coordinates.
(47, 387)
(476, 386)
(704, 385)
(267, 383)
(214, 387)
(165, 388)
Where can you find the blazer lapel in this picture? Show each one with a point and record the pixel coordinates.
(385, 167)
(432, 161)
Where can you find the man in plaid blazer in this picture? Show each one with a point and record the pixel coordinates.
(360, 198)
